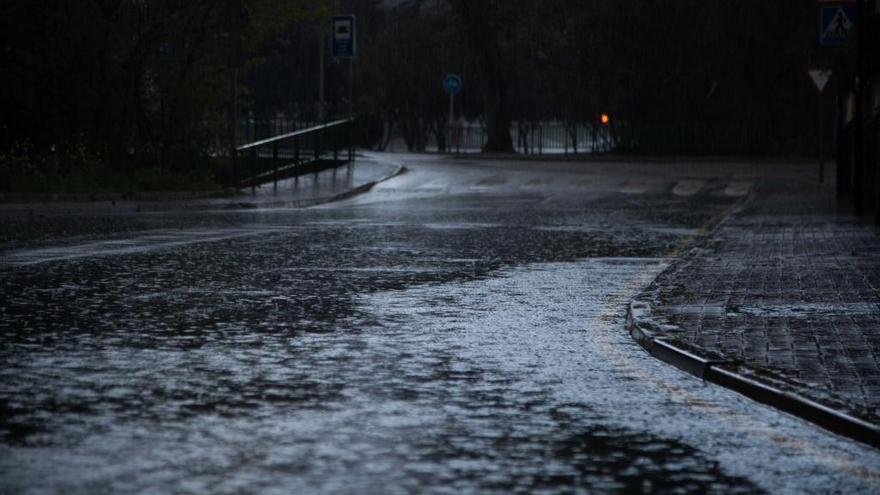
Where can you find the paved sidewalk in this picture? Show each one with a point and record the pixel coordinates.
(791, 289)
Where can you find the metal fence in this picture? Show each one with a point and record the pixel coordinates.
(294, 153)
(562, 137)
(254, 129)
(551, 137)
(556, 137)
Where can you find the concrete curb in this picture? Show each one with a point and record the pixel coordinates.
(647, 333)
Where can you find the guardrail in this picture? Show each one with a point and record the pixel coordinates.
(301, 152)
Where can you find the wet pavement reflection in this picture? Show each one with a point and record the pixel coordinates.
(448, 343)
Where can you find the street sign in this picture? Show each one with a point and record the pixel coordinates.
(343, 36)
(836, 19)
(820, 78)
(452, 84)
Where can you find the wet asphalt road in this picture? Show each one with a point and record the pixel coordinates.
(458, 329)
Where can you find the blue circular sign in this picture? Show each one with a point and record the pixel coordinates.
(452, 84)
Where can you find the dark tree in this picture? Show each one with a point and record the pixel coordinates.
(489, 30)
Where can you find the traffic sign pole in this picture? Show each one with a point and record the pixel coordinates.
(821, 141)
(321, 42)
(820, 79)
(452, 85)
(351, 87)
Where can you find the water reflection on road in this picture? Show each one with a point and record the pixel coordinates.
(446, 343)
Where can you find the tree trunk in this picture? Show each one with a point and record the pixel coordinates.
(482, 28)
(438, 128)
(497, 118)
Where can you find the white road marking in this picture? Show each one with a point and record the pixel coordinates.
(737, 189)
(688, 187)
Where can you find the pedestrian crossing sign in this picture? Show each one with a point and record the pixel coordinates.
(836, 21)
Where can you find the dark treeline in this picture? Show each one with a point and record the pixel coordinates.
(142, 90)
(682, 76)
(128, 93)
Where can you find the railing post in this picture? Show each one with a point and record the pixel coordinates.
(317, 153)
(275, 165)
(295, 161)
(348, 170)
(256, 155)
(233, 162)
(317, 143)
(350, 126)
(253, 168)
(335, 145)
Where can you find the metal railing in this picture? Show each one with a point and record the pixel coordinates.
(559, 137)
(547, 137)
(296, 153)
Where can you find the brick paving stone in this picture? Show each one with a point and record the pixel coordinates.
(789, 286)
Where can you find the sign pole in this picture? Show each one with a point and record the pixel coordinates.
(821, 141)
(820, 79)
(350, 87)
(344, 46)
(321, 77)
(452, 85)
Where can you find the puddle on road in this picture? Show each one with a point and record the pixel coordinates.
(383, 371)
(145, 242)
(558, 329)
(500, 384)
(443, 390)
